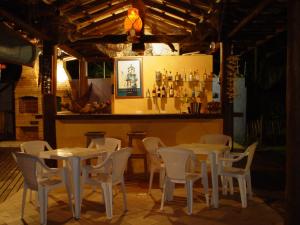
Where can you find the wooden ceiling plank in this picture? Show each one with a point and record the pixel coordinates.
(108, 10)
(104, 26)
(258, 9)
(188, 7)
(78, 12)
(171, 19)
(165, 26)
(170, 10)
(92, 26)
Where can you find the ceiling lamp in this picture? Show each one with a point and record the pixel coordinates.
(133, 23)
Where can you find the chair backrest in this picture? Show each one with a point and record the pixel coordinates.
(110, 144)
(35, 147)
(250, 153)
(151, 144)
(118, 160)
(27, 163)
(216, 139)
(176, 161)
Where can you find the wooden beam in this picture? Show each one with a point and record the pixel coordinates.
(159, 27)
(292, 197)
(189, 7)
(170, 10)
(171, 19)
(92, 26)
(70, 51)
(86, 9)
(101, 13)
(116, 39)
(250, 17)
(36, 33)
(261, 42)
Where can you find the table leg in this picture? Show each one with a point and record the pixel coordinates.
(214, 178)
(75, 164)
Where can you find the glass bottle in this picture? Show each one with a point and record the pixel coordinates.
(158, 92)
(171, 92)
(153, 92)
(163, 91)
(148, 93)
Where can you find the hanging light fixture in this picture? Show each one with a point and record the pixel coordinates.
(133, 23)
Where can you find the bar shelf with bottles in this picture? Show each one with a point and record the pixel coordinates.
(189, 88)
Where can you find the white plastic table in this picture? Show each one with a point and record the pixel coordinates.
(213, 151)
(74, 156)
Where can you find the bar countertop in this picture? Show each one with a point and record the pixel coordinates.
(73, 116)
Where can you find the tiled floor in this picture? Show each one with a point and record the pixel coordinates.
(143, 209)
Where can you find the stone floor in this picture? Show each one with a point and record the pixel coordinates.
(143, 209)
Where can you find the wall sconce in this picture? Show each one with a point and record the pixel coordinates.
(133, 23)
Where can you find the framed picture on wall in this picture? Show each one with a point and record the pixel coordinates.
(129, 78)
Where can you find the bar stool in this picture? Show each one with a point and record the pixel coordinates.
(140, 135)
(93, 134)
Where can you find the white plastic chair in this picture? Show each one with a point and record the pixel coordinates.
(243, 175)
(221, 139)
(108, 144)
(34, 148)
(177, 161)
(112, 174)
(152, 144)
(34, 181)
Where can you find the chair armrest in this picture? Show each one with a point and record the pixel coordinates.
(237, 158)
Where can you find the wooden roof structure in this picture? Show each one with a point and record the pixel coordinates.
(89, 28)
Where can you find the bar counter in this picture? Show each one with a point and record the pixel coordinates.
(183, 116)
(171, 128)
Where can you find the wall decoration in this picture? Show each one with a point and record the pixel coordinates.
(129, 82)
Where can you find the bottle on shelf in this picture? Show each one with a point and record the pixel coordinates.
(163, 92)
(193, 93)
(148, 93)
(164, 75)
(197, 76)
(177, 77)
(170, 77)
(158, 92)
(171, 92)
(205, 76)
(191, 76)
(154, 92)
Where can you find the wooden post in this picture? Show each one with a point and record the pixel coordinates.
(293, 115)
(227, 105)
(48, 71)
(83, 81)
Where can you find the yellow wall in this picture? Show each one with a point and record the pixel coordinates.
(71, 133)
(151, 64)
